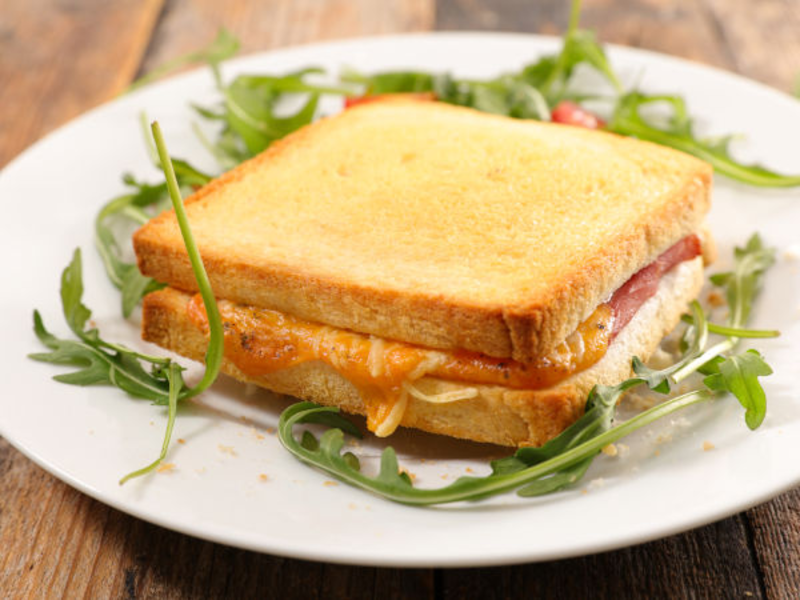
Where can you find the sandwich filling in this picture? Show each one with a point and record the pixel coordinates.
(261, 341)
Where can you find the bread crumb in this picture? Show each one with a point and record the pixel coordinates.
(469, 470)
(262, 477)
(445, 476)
(609, 450)
(623, 449)
(413, 476)
(792, 253)
(584, 491)
(329, 483)
(664, 438)
(707, 446)
(181, 441)
(597, 483)
(715, 299)
(165, 467)
(640, 401)
(657, 452)
(352, 506)
(226, 449)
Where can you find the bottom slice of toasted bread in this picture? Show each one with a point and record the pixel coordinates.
(498, 415)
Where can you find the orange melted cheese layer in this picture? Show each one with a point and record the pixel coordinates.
(261, 341)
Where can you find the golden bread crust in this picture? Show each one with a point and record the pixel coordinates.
(436, 225)
(498, 415)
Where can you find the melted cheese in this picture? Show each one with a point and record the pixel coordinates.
(260, 341)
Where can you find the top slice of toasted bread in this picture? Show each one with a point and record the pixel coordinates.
(436, 225)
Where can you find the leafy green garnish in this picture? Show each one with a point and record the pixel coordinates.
(744, 282)
(532, 92)
(394, 484)
(552, 76)
(100, 362)
(249, 112)
(119, 212)
(564, 460)
(224, 46)
(739, 375)
(677, 132)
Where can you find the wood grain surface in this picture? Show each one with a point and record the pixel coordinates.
(61, 57)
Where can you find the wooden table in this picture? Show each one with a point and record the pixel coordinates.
(59, 58)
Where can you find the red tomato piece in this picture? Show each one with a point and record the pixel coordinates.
(570, 113)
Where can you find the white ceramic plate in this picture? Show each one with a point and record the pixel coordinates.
(89, 437)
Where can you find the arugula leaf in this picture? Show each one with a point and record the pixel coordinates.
(745, 281)
(97, 361)
(552, 76)
(564, 460)
(392, 82)
(75, 311)
(659, 380)
(175, 387)
(224, 46)
(742, 285)
(627, 119)
(394, 484)
(598, 418)
(249, 112)
(739, 375)
(529, 94)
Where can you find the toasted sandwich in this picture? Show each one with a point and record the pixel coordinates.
(435, 267)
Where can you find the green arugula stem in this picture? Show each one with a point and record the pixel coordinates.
(175, 383)
(723, 165)
(574, 20)
(215, 343)
(221, 48)
(715, 350)
(738, 332)
(114, 206)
